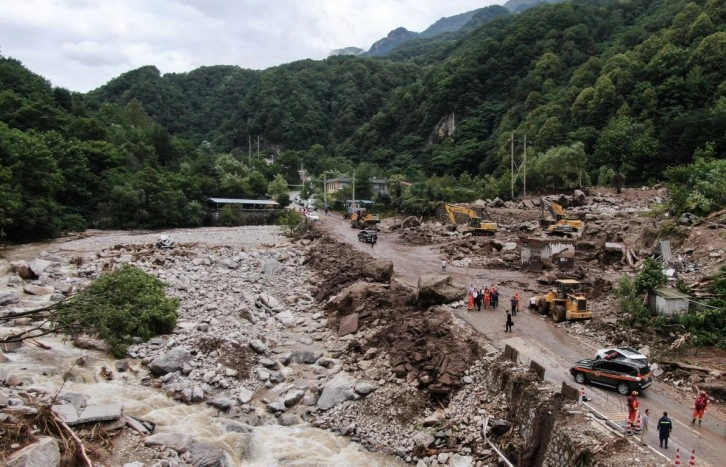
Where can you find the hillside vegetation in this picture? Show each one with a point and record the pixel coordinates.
(603, 91)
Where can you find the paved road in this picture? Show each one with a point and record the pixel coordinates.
(551, 345)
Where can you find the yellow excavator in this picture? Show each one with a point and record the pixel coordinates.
(362, 220)
(476, 226)
(566, 302)
(559, 224)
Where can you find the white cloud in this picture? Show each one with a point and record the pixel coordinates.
(82, 44)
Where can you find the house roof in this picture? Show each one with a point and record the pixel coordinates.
(375, 181)
(243, 201)
(670, 294)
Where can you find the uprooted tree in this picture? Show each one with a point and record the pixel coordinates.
(118, 307)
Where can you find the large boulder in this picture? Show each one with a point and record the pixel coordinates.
(32, 289)
(8, 299)
(272, 267)
(356, 295)
(4, 267)
(179, 442)
(45, 451)
(171, 362)
(38, 266)
(380, 270)
(22, 269)
(339, 389)
(437, 289)
(209, 454)
(579, 198)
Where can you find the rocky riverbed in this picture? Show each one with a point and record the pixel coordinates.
(272, 334)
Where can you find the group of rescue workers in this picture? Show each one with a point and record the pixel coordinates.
(489, 298)
(641, 423)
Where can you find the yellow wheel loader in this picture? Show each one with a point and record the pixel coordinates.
(565, 302)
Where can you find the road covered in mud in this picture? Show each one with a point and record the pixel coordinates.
(554, 346)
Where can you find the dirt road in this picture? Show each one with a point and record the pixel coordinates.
(538, 338)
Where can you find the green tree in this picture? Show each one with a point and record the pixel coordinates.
(119, 306)
(650, 277)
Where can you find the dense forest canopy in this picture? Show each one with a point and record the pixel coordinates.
(601, 91)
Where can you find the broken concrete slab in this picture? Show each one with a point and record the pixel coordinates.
(98, 413)
(66, 412)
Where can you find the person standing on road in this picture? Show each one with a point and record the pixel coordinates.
(665, 426)
(443, 265)
(495, 297)
(644, 426)
(470, 300)
(509, 323)
(632, 410)
(699, 407)
(533, 303)
(513, 301)
(477, 299)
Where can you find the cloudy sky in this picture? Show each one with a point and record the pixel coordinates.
(82, 44)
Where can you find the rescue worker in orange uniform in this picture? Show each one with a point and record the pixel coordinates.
(633, 405)
(699, 407)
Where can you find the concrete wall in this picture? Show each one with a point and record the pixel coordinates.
(547, 434)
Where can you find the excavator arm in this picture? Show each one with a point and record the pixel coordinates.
(555, 210)
(560, 223)
(475, 223)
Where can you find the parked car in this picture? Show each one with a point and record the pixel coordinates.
(368, 236)
(625, 352)
(622, 374)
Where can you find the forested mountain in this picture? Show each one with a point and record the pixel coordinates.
(645, 74)
(448, 24)
(448, 27)
(518, 6)
(602, 91)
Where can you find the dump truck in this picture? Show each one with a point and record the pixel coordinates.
(559, 224)
(565, 302)
(475, 224)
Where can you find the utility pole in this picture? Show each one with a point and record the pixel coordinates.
(524, 166)
(258, 146)
(249, 150)
(511, 140)
(353, 200)
(325, 192)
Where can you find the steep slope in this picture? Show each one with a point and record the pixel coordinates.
(394, 38)
(448, 24)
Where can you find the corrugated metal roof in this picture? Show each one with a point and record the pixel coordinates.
(670, 293)
(242, 201)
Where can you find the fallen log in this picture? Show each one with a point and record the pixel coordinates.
(687, 366)
(76, 439)
(136, 425)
